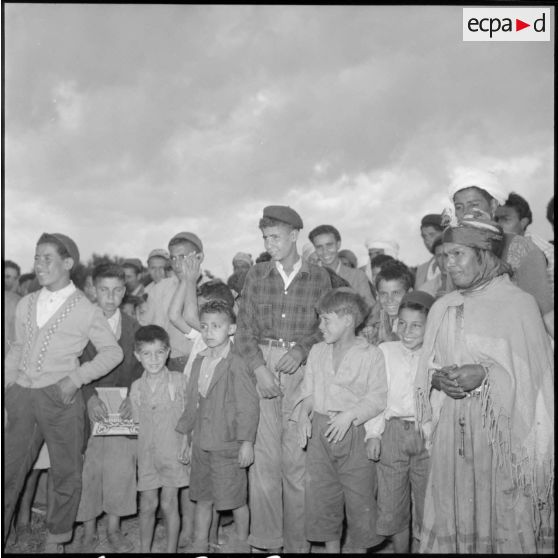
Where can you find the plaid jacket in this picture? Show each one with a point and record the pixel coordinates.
(268, 310)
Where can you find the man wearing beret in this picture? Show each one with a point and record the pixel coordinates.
(276, 327)
(430, 229)
(42, 377)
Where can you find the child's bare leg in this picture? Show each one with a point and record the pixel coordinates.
(241, 522)
(401, 542)
(148, 506)
(202, 522)
(187, 508)
(214, 528)
(89, 530)
(333, 547)
(169, 505)
(113, 523)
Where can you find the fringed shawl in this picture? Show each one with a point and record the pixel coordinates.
(504, 331)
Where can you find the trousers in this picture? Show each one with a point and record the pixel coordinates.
(276, 478)
(34, 416)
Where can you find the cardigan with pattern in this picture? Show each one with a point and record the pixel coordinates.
(42, 356)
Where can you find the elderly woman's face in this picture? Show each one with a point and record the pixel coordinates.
(462, 264)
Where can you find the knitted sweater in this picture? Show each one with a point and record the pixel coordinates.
(41, 356)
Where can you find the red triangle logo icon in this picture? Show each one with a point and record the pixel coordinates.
(519, 25)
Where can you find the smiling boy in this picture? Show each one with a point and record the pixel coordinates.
(42, 380)
(344, 386)
(392, 282)
(391, 437)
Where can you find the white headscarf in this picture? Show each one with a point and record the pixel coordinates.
(486, 180)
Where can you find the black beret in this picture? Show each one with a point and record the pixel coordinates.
(285, 214)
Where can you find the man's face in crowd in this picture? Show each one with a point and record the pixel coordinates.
(110, 291)
(279, 241)
(156, 267)
(327, 248)
(468, 199)
(429, 235)
(178, 252)
(508, 219)
(52, 270)
(10, 279)
(131, 277)
(390, 293)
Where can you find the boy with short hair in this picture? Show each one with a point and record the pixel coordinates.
(344, 386)
(391, 437)
(158, 399)
(109, 469)
(220, 423)
(42, 380)
(184, 315)
(392, 282)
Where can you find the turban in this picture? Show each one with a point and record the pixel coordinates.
(476, 233)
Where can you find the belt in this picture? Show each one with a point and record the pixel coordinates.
(277, 343)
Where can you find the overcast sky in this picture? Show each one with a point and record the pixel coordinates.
(125, 124)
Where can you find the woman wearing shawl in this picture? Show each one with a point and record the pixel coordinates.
(484, 391)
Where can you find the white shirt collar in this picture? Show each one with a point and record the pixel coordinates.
(59, 295)
(287, 279)
(114, 321)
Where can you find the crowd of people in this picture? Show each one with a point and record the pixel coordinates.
(307, 399)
